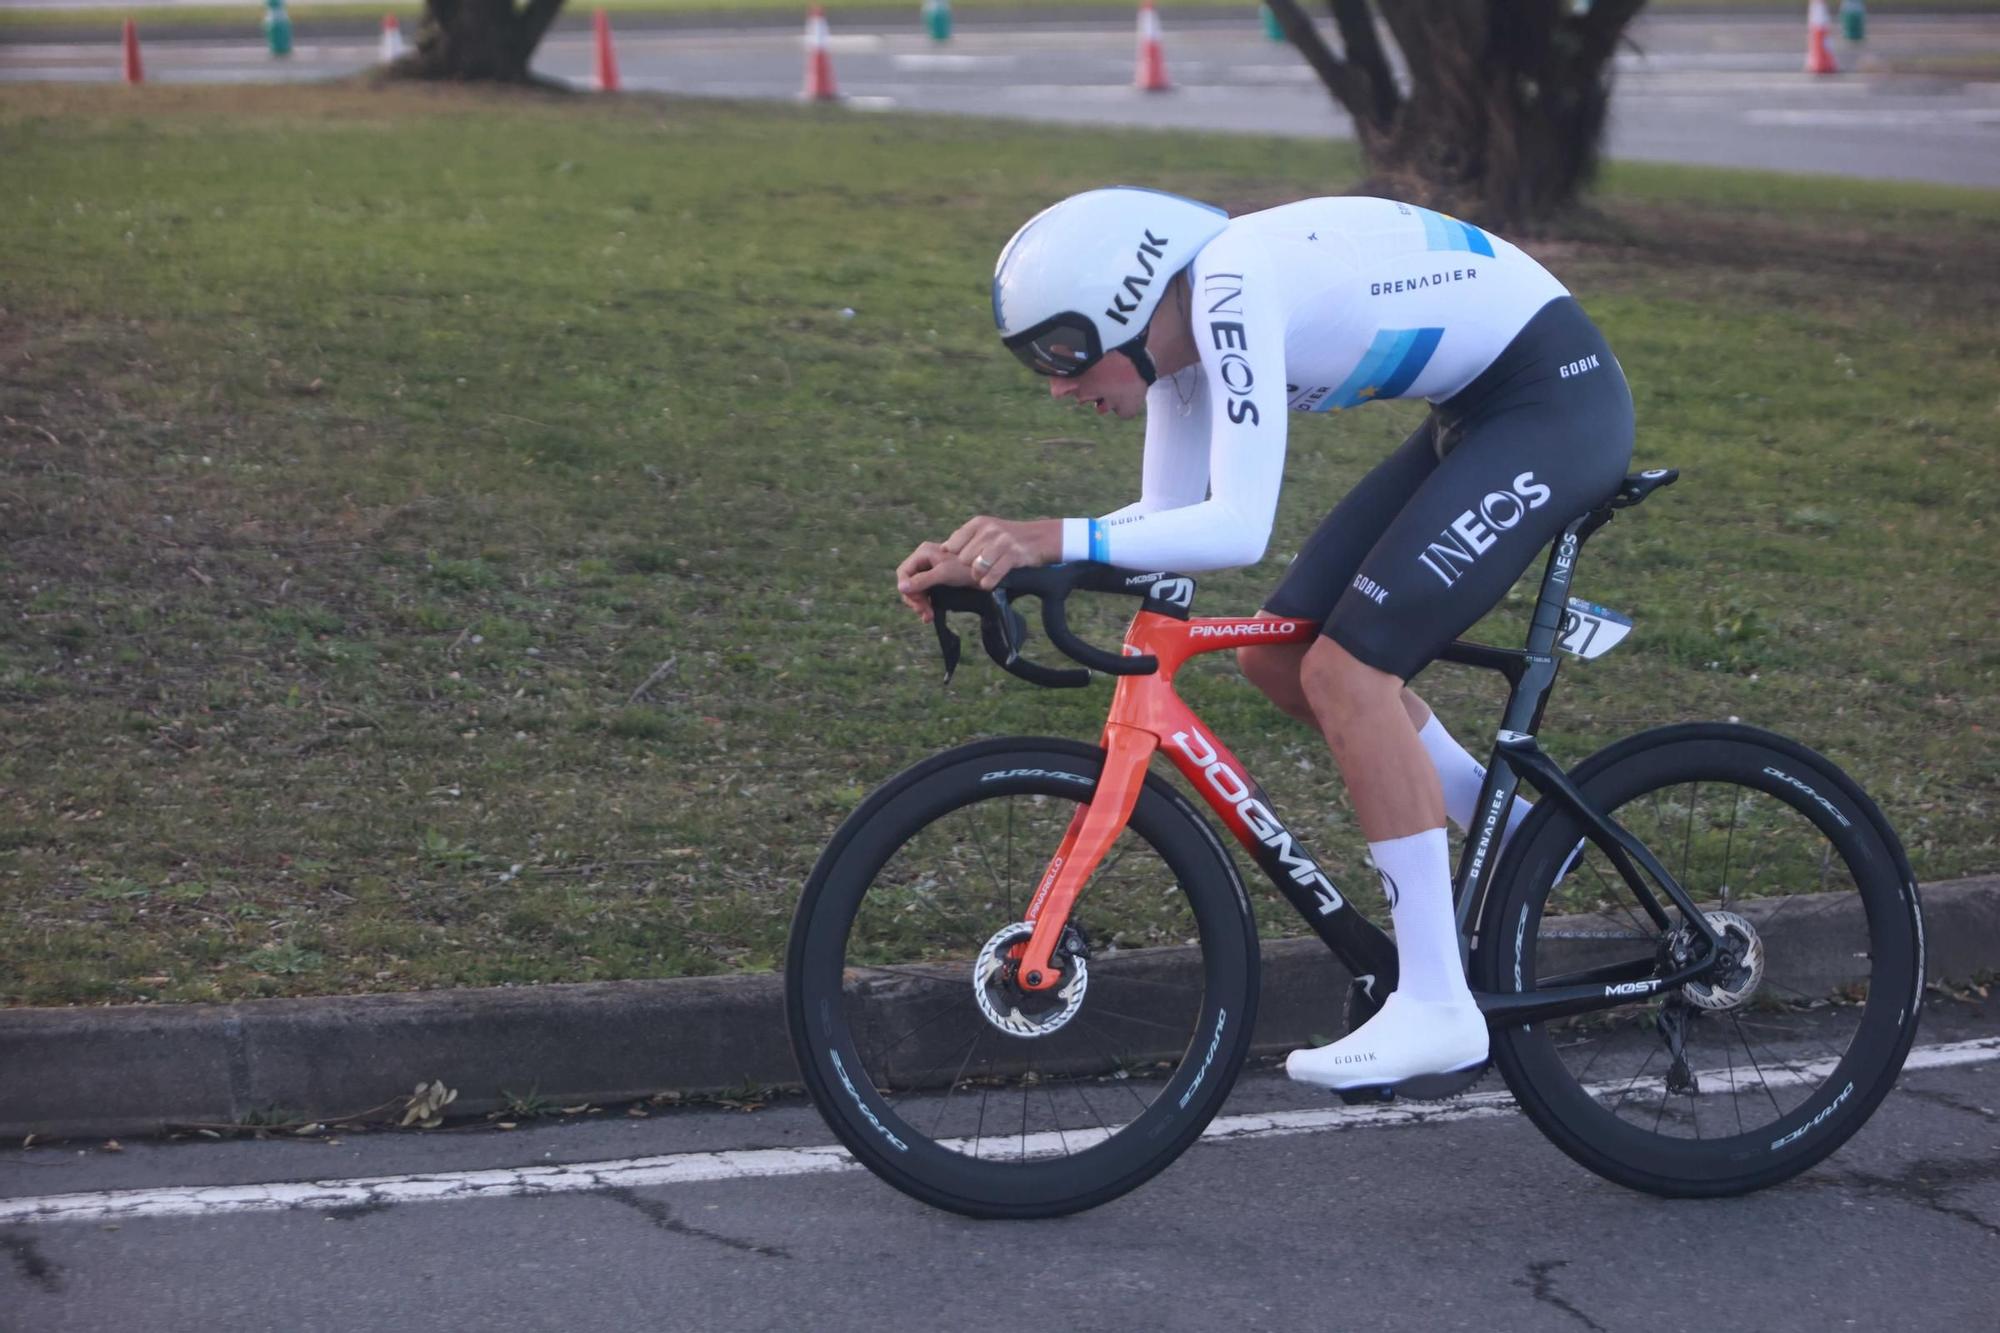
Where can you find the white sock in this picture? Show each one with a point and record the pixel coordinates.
(1416, 879)
(1461, 775)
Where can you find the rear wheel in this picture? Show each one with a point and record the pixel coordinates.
(942, 1075)
(1766, 1065)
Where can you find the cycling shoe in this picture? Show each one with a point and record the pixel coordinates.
(1412, 1048)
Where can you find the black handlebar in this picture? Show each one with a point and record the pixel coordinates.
(1004, 631)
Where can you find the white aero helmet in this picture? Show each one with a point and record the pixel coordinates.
(1084, 276)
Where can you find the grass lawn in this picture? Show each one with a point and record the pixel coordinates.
(445, 540)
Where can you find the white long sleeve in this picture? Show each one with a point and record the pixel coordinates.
(1212, 473)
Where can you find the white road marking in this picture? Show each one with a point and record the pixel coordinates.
(947, 62)
(766, 1163)
(1876, 118)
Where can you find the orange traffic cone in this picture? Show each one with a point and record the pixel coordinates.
(819, 64)
(1151, 75)
(134, 71)
(1819, 56)
(392, 39)
(607, 59)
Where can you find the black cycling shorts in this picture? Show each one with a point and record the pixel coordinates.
(1432, 538)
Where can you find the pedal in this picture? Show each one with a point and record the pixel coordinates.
(1423, 1088)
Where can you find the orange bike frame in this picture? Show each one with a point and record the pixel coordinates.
(1147, 715)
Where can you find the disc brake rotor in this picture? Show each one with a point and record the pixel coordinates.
(1020, 1013)
(1740, 978)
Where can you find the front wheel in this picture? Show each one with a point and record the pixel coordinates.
(943, 1076)
(1763, 1067)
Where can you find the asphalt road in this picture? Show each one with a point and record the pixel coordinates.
(1718, 91)
(1450, 1221)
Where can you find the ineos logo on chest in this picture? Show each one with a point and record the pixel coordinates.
(1224, 291)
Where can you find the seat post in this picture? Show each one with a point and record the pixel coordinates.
(1556, 576)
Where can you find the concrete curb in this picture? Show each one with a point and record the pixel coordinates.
(139, 1069)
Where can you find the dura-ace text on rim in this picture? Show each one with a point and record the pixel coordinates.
(1781, 849)
(996, 1123)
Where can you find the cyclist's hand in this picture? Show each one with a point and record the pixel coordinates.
(927, 567)
(993, 546)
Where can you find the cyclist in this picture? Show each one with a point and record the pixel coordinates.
(1134, 300)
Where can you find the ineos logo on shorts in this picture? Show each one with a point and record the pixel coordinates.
(1475, 531)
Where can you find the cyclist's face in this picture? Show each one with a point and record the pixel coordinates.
(1112, 385)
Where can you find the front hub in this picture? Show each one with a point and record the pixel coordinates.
(1024, 1013)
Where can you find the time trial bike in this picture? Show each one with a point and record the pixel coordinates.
(1024, 974)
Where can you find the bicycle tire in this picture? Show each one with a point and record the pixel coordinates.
(834, 978)
(1793, 795)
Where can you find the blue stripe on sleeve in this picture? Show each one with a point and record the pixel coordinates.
(1100, 543)
(1416, 355)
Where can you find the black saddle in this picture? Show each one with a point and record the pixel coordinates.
(1638, 485)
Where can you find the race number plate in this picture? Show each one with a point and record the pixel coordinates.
(1590, 630)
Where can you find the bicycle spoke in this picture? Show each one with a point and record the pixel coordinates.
(1024, 1126)
(1762, 1077)
(1009, 854)
(934, 1018)
(1729, 846)
(944, 1102)
(1687, 840)
(1116, 1061)
(1602, 1045)
(1005, 887)
(1734, 1100)
(1640, 1073)
(1619, 894)
(1055, 1118)
(908, 972)
(1083, 1095)
(1134, 1018)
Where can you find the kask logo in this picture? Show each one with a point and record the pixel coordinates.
(1120, 310)
(1476, 531)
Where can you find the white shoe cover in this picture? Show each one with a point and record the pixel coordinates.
(1407, 1039)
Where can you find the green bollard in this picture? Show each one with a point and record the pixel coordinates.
(937, 19)
(1853, 20)
(1271, 28)
(278, 28)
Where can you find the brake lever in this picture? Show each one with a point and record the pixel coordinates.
(1005, 634)
(948, 644)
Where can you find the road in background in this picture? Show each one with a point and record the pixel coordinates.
(1711, 91)
(1455, 1221)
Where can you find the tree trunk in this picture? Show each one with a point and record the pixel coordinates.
(478, 40)
(1502, 111)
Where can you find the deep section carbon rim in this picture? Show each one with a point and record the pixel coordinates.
(957, 1084)
(1733, 1077)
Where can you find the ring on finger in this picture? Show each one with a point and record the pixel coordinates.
(982, 563)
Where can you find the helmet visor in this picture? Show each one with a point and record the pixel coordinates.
(1065, 346)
